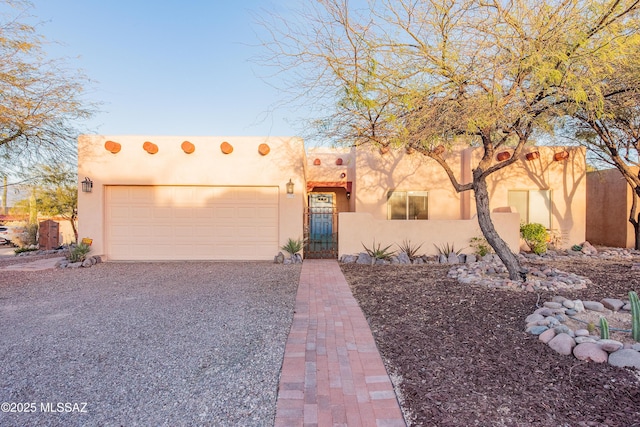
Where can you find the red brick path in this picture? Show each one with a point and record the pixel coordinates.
(332, 374)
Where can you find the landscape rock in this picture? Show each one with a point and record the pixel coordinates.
(403, 258)
(590, 352)
(562, 343)
(547, 336)
(593, 305)
(625, 358)
(610, 345)
(348, 259)
(364, 258)
(279, 259)
(537, 329)
(613, 304)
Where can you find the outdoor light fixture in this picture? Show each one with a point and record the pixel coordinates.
(290, 187)
(87, 185)
(348, 195)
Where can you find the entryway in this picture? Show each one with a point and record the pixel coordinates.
(321, 226)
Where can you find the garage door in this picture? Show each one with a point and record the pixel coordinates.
(191, 223)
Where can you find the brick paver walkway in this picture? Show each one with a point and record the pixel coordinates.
(332, 374)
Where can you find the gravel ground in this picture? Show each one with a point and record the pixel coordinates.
(144, 344)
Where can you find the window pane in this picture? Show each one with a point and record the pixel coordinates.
(417, 201)
(397, 205)
(519, 199)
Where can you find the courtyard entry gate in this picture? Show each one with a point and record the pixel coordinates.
(321, 226)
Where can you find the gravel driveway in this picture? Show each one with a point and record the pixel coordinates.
(174, 344)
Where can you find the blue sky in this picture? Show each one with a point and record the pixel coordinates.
(169, 67)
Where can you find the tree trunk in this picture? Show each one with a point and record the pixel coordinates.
(72, 220)
(635, 221)
(488, 229)
(4, 196)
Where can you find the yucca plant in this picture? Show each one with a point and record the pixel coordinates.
(378, 252)
(447, 249)
(410, 249)
(292, 246)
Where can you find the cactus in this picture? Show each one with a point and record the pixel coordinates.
(635, 315)
(604, 328)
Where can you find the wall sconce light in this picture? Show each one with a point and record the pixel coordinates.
(87, 185)
(348, 195)
(290, 185)
(343, 175)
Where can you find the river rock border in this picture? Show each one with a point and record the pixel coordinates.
(549, 324)
(88, 262)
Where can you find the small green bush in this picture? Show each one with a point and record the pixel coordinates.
(480, 246)
(79, 252)
(293, 246)
(536, 236)
(24, 249)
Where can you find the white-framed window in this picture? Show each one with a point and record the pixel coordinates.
(534, 206)
(407, 205)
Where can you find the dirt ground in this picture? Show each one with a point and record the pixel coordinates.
(463, 357)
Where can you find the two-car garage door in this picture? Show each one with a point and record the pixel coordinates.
(191, 222)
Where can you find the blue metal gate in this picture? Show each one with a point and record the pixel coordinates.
(322, 226)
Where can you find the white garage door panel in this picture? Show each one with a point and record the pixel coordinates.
(178, 222)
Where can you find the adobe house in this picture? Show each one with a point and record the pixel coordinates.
(173, 198)
(609, 200)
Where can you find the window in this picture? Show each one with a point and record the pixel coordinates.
(407, 205)
(532, 205)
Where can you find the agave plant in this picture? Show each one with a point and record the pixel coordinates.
(293, 246)
(378, 252)
(410, 249)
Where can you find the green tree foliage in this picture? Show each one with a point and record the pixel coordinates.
(423, 74)
(53, 192)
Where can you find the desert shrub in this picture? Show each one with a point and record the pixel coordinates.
(78, 253)
(28, 237)
(25, 249)
(535, 236)
(480, 246)
(447, 248)
(410, 249)
(293, 246)
(378, 252)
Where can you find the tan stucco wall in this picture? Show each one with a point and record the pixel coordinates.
(609, 199)
(358, 229)
(566, 179)
(330, 172)
(379, 173)
(245, 166)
